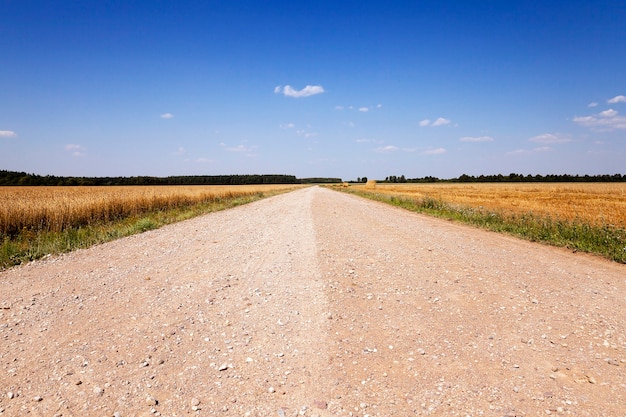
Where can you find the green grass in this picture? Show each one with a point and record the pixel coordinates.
(607, 241)
(30, 245)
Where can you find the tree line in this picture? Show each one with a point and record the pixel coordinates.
(23, 179)
(511, 178)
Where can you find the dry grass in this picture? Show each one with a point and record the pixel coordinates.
(597, 204)
(54, 209)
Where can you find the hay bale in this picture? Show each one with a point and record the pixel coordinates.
(370, 184)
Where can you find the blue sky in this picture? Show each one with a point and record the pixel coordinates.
(312, 88)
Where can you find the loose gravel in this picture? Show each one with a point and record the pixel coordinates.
(314, 303)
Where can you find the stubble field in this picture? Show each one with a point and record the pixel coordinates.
(582, 216)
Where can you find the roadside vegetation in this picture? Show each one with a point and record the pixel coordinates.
(40, 221)
(588, 217)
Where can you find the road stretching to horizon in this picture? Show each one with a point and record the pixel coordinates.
(314, 303)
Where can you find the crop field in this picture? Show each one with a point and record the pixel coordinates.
(57, 208)
(599, 204)
(38, 221)
(583, 216)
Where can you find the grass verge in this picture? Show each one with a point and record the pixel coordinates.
(607, 241)
(29, 245)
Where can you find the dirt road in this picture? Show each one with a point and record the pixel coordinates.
(314, 303)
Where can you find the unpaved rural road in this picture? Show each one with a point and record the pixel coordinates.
(314, 303)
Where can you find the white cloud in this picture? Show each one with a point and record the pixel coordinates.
(362, 109)
(369, 141)
(305, 133)
(75, 150)
(249, 150)
(167, 116)
(436, 151)
(529, 151)
(203, 160)
(441, 122)
(287, 126)
(592, 104)
(7, 134)
(551, 138)
(388, 148)
(617, 99)
(476, 139)
(239, 148)
(309, 90)
(180, 151)
(605, 121)
(608, 113)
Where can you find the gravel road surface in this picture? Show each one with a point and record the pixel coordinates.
(314, 303)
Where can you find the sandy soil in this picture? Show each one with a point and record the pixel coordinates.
(314, 303)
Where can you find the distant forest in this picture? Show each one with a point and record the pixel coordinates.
(510, 178)
(22, 178)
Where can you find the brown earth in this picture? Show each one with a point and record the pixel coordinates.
(314, 303)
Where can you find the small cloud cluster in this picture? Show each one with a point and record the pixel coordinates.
(393, 148)
(362, 109)
(309, 90)
(476, 139)
(238, 148)
(551, 138)
(435, 151)
(167, 116)
(439, 122)
(366, 109)
(544, 139)
(7, 134)
(306, 133)
(388, 148)
(606, 120)
(531, 151)
(75, 150)
(245, 149)
(369, 141)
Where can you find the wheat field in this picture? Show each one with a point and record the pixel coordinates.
(597, 204)
(54, 209)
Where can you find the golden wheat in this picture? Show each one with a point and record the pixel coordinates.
(57, 208)
(598, 204)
